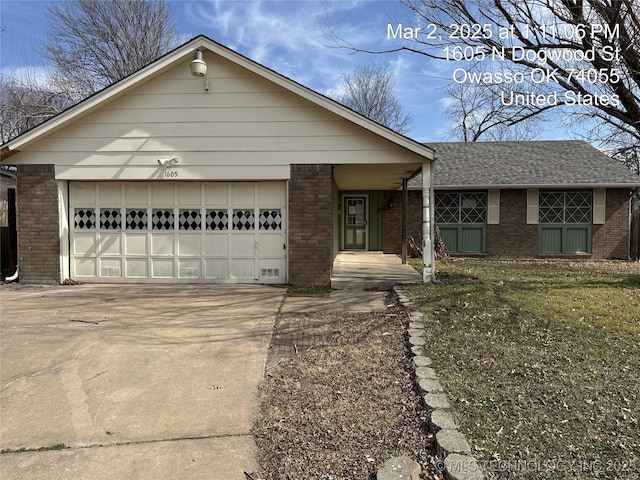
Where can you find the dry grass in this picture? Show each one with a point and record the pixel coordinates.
(342, 408)
(541, 361)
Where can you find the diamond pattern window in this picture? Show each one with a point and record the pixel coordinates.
(270, 220)
(136, 219)
(461, 207)
(110, 219)
(243, 220)
(84, 218)
(564, 207)
(162, 220)
(189, 220)
(217, 220)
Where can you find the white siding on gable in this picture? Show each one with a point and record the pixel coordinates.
(244, 127)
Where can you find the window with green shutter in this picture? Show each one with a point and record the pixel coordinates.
(462, 220)
(564, 222)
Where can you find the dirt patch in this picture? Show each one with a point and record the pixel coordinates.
(341, 405)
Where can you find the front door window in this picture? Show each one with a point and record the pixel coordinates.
(355, 229)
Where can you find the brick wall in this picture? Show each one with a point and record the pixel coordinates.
(392, 220)
(38, 225)
(611, 240)
(310, 225)
(513, 237)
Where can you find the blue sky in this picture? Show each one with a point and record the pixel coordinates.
(291, 37)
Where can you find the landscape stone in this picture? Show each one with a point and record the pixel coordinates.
(417, 349)
(451, 441)
(462, 467)
(415, 316)
(442, 420)
(429, 385)
(421, 361)
(416, 332)
(413, 340)
(400, 468)
(426, 372)
(414, 325)
(436, 400)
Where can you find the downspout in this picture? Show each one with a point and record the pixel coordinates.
(13, 277)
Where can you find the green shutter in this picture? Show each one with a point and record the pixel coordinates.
(449, 235)
(564, 238)
(550, 239)
(472, 239)
(577, 239)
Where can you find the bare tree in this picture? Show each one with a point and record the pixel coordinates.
(476, 114)
(27, 102)
(582, 56)
(369, 90)
(94, 43)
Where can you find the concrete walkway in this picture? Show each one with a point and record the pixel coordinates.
(371, 271)
(141, 382)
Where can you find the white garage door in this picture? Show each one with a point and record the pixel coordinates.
(178, 232)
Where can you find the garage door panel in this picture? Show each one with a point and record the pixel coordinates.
(163, 268)
(216, 268)
(84, 193)
(85, 244)
(215, 245)
(189, 194)
(136, 268)
(243, 268)
(163, 231)
(190, 244)
(136, 194)
(270, 246)
(163, 244)
(243, 245)
(110, 193)
(84, 267)
(162, 194)
(216, 194)
(110, 267)
(111, 244)
(243, 194)
(270, 194)
(136, 244)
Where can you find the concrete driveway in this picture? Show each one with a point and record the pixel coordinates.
(139, 381)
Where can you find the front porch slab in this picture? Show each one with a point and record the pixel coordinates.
(371, 271)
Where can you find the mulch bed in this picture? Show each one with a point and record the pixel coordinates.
(341, 405)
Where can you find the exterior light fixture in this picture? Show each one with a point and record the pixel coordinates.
(198, 65)
(167, 162)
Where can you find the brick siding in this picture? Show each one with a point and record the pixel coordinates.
(392, 220)
(38, 225)
(611, 240)
(512, 237)
(310, 225)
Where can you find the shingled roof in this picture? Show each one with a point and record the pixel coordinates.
(568, 163)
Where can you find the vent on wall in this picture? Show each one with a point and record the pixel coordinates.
(269, 272)
(111, 272)
(189, 272)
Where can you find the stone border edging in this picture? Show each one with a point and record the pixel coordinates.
(451, 445)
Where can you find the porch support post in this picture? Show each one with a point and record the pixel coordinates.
(428, 254)
(405, 219)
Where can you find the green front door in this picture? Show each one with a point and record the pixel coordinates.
(355, 223)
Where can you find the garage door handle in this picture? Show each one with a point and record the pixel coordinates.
(284, 246)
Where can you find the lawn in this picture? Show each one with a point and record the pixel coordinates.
(541, 361)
